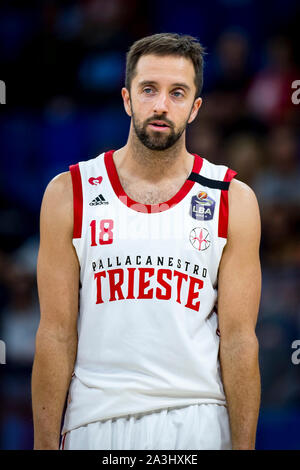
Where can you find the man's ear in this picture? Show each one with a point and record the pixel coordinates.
(126, 100)
(196, 106)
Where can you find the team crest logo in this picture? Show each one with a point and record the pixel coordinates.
(202, 206)
(95, 181)
(200, 238)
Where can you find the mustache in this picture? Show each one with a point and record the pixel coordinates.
(159, 118)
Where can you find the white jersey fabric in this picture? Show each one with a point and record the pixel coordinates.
(203, 426)
(147, 325)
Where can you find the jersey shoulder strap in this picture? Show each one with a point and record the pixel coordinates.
(79, 172)
(216, 177)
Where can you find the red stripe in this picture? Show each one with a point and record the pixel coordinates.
(223, 212)
(150, 208)
(77, 200)
(63, 441)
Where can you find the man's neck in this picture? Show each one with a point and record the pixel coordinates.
(137, 161)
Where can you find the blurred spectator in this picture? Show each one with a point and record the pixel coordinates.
(280, 236)
(279, 180)
(244, 153)
(63, 137)
(269, 95)
(277, 328)
(18, 326)
(25, 257)
(20, 317)
(232, 62)
(16, 221)
(20, 154)
(203, 138)
(87, 40)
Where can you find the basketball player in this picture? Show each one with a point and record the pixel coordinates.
(149, 282)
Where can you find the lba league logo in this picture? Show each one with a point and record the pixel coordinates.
(199, 238)
(202, 206)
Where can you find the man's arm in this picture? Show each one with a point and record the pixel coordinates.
(56, 339)
(239, 288)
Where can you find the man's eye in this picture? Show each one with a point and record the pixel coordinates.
(178, 94)
(147, 91)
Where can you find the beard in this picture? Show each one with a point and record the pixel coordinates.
(157, 140)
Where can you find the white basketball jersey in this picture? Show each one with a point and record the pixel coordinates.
(147, 326)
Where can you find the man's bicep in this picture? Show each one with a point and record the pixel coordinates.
(239, 281)
(58, 268)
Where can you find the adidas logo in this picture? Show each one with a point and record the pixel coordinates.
(98, 201)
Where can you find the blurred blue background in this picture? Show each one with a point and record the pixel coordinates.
(63, 64)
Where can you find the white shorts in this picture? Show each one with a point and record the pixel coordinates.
(196, 427)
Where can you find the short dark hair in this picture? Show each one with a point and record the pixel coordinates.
(166, 44)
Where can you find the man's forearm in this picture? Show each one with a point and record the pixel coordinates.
(51, 375)
(241, 379)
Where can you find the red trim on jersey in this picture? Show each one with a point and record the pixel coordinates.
(63, 441)
(77, 200)
(223, 212)
(150, 208)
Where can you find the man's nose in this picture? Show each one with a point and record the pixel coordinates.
(161, 104)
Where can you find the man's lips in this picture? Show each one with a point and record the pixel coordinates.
(159, 125)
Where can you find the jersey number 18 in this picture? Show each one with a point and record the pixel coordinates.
(105, 236)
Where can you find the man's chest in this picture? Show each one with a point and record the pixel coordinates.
(150, 193)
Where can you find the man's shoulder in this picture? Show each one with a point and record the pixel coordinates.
(57, 201)
(241, 192)
(244, 213)
(58, 185)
